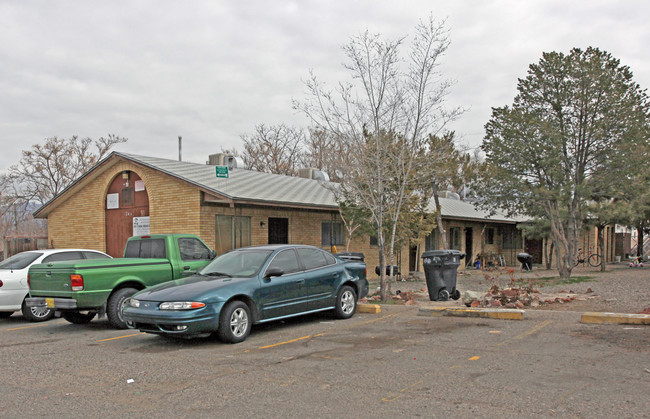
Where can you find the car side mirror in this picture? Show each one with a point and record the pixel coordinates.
(212, 254)
(274, 272)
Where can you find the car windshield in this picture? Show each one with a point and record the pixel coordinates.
(20, 261)
(237, 263)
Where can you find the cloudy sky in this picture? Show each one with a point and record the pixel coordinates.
(212, 70)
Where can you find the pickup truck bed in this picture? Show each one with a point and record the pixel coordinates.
(79, 290)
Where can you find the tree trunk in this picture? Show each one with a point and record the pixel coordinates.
(601, 247)
(566, 244)
(639, 247)
(548, 253)
(384, 285)
(441, 228)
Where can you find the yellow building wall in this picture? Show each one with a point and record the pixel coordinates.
(80, 220)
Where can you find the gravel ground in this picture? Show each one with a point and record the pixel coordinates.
(620, 289)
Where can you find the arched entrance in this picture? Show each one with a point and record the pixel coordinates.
(127, 208)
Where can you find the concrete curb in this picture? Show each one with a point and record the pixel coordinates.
(503, 314)
(368, 308)
(615, 318)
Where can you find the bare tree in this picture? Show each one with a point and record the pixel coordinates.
(47, 169)
(326, 152)
(274, 149)
(384, 116)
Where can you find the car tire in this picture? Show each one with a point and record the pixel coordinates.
(234, 322)
(115, 305)
(78, 318)
(5, 314)
(36, 314)
(346, 303)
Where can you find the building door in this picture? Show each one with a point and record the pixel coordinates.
(126, 200)
(278, 231)
(413, 258)
(469, 246)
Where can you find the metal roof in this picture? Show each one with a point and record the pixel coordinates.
(457, 209)
(245, 184)
(258, 187)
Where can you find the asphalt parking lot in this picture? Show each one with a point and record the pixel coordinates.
(395, 363)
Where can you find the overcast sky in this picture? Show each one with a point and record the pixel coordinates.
(212, 70)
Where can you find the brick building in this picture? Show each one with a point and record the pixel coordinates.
(126, 195)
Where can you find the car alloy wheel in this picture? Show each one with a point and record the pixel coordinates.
(234, 322)
(36, 314)
(238, 322)
(40, 312)
(346, 302)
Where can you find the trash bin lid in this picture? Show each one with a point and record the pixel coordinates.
(443, 254)
(437, 253)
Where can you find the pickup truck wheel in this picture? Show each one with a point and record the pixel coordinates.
(78, 318)
(115, 305)
(346, 303)
(36, 314)
(234, 322)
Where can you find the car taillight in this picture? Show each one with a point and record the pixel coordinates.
(2, 284)
(77, 282)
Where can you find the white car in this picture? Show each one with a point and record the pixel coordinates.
(13, 279)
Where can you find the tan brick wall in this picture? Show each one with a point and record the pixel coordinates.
(80, 220)
(304, 225)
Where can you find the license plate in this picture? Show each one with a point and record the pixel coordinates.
(49, 302)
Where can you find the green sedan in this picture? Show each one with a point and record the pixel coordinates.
(249, 286)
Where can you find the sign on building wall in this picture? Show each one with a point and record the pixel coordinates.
(139, 185)
(112, 200)
(140, 226)
(221, 171)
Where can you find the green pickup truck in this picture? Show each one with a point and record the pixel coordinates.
(79, 290)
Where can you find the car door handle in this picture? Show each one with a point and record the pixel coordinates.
(300, 281)
(186, 268)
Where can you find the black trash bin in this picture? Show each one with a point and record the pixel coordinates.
(440, 269)
(526, 261)
(395, 270)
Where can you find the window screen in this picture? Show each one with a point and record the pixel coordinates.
(489, 236)
(232, 232)
(331, 233)
(454, 238)
(431, 241)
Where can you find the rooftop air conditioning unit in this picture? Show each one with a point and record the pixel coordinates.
(449, 195)
(315, 174)
(223, 159)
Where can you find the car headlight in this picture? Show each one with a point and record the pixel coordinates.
(133, 303)
(181, 305)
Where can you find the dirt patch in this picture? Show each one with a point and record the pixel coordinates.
(619, 289)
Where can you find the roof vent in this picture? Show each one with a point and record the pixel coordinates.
(315, 174)
(449, 195)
